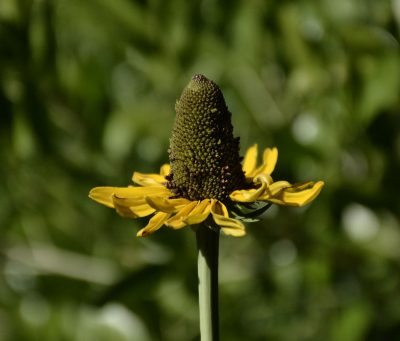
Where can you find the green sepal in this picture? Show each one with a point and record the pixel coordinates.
(248, 212)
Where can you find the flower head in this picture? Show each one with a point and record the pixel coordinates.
(205, 181)
(204, 155)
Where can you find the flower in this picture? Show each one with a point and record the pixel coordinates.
(205, 181)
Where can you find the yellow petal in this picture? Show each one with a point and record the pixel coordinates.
(250, 160)
(103, 195)
(126, 212)
(141, 210)
(178, 220)
(165, 204)
(133, 196)
(260, 178)
(128, 201)
(144, 192)
(134, 192)
(199, 213)
(152, 179)
(278, 186)
(165, 170)
(148, 179)
(217, 207)
(154, 224)
(274, 189)
(270, 157)
(249, 195)
(132, 207)
(298, 194)
(228, 225)
(235, 231)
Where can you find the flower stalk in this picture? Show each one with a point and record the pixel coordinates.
(207, 266)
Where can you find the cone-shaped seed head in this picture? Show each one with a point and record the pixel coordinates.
(203, 153)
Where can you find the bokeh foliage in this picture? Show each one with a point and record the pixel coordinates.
(87, 91)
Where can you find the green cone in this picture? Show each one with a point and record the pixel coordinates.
(204, 155)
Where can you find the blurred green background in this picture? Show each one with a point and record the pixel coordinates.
(87, 93)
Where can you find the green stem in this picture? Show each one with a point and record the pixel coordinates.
(207, 264)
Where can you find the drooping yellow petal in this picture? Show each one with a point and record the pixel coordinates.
(274, 189)
(248, 195)
(278, 186)
(126, 212)
(199, 213)
(164, 204)
(298, 194)
(265, 190)
(142, 210)
(228, 225)
(270, 157)
(103, 195)
(178, 220)
(128, 201)
(217, 207)
(139, 195)
(279, 192)
(250, 160)
(154, 224)
(263, 178)
(132, 207)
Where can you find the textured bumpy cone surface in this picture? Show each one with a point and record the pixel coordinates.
(203, 153)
